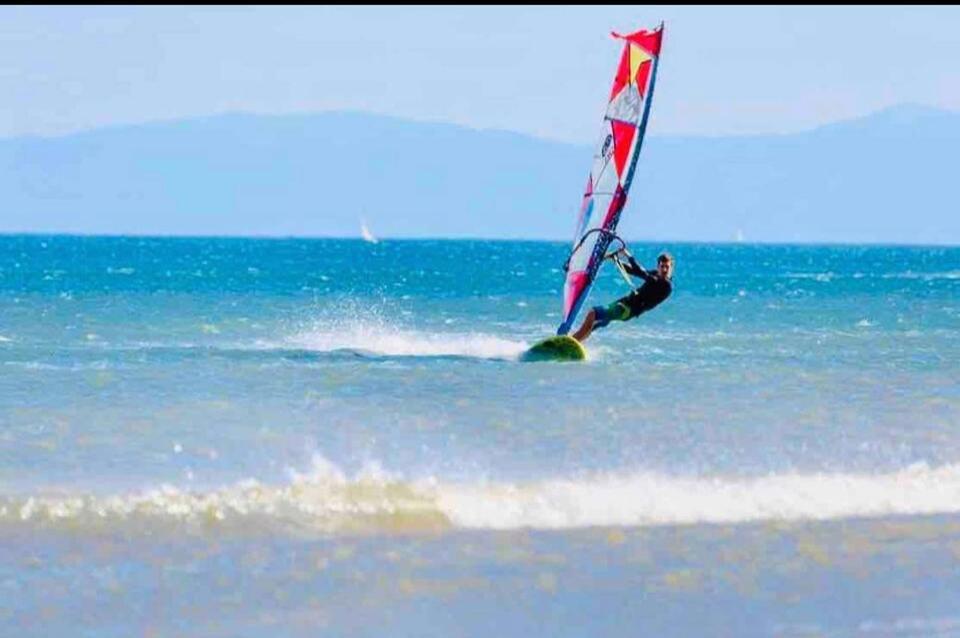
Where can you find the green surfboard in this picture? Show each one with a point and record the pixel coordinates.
(562, 348)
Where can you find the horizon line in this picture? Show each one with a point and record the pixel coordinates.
(381, 239)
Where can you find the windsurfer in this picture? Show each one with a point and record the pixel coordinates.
(657, 286)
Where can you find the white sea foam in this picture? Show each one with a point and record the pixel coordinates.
(925, 276)
(327, 500)
(652, 499)
(908, 274)
(381, 339)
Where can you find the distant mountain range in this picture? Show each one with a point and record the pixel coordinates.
(888, 177)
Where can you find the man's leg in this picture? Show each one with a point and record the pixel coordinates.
(586, 327)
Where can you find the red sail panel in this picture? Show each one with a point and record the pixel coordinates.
(623, 134)
(573, 290)
(643, 74)
(616, 205)
(649, 41)
(622, 78)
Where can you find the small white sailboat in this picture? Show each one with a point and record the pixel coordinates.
(366, 234)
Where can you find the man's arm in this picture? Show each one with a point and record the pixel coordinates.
(635, 269)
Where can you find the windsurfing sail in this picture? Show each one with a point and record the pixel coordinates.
(614, 163)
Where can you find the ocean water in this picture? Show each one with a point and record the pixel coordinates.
(292, 437)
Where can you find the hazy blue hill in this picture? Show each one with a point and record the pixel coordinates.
(242, 174)
(887, 177)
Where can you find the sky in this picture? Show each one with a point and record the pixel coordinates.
(543, 71)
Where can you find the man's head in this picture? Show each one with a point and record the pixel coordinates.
(665, 265)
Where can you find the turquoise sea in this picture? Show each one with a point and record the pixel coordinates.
(320, 437)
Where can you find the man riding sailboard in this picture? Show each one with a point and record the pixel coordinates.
(604, 198)
(657, 286)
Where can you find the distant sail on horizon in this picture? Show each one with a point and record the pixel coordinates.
(614, 162)
(365, 232)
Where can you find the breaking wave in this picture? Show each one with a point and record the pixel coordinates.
(326, 501)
